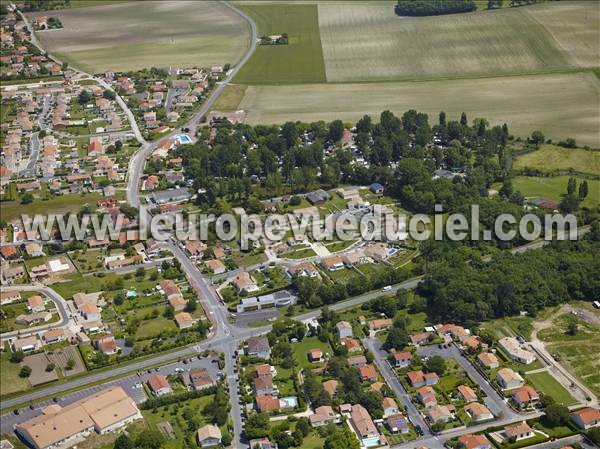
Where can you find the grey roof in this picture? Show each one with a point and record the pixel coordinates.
(318, 196)
(166, 196)
(258, 344)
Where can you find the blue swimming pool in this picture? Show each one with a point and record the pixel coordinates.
(392, 251)
(184, 138)
(131, 294)
(290, 401)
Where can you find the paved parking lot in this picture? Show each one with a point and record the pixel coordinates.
(130, 384)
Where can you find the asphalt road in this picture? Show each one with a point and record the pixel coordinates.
(61, 307)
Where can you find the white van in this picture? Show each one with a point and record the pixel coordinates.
(387, 288)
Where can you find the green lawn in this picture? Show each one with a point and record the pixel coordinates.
(301, 61)
(301, 349)
(230, 98)
(10, 382)
(551, 157)
(548, 385)
(11, 210)
(554, 187)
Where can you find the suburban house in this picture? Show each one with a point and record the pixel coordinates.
(258, 347)
(343, 329)
(208, 436)
(380, 324)
(525, 396)
(304, 269)
(419, 378)
(402, 359)
(466, 393)
(216, 266)
(488, 360)
(26, 344)
(478, 412)
(197, 379)
(330, 386)
(426, 396)
(333, 263)
(262, 443)
(367, 373)
(90, 312)
(586, 418)
(315, 355)
(389, 407)
(184, 320)
(159, 385)
(263, 386)
(513, 349)
(323, 415)
(471, 441)
(106, 345)
(36, 304)
(508, 379)
(397, 423)
(53, 335)
(357, 361)
(376, 188)
(169, 288)
(9, 296)
(364, 426)
(519, 431)
(245, 283)
(351, 344)
(439, 413)
(178, 303)
(267, 403)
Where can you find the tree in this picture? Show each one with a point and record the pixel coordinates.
(401, 298)
(50, 367)
(336, 130)
(70, 364)
(149, 439)
(463, 119)
(17, 357)
(537, 137)
(27, 198)
(397, 338)
(571, 325)
(257, 425)
(109, 94)
(442, 118)
(436, 364)
(571, 186)
(557, 415)
(303, 426)
(568, 204)
(123, 442)
(583, 190)
(84, 97)
(25, 371)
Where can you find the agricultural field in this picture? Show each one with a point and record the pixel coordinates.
(554, 187)
(574, 26)
(559, 105)
(551, 157)
(126, 37)
(300, 61)
(367, 41)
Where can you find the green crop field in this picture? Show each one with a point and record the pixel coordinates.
(126, 36)
(301, 61)
(554, 187)
(560, 105)
(551, 157)
(367, 41)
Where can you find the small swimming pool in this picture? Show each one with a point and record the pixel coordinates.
(392, 251)
(184, 138)
(131, 294)
(290, 401)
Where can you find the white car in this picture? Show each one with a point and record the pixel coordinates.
(387, 288)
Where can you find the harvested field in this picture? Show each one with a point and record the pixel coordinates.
(367, 41)
(126, 36)
(574, 25)
(560, 105)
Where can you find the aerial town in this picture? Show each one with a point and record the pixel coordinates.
(307, 341)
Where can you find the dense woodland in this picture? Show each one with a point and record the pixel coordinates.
(433, 7)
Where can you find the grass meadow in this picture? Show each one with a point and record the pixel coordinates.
(560, 105)
(551, 157)
(125, 36)
(300, 61)
(367, 41)
(553, 188)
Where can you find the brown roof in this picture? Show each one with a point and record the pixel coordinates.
(157, 382)
(488, 359)
(263, 370)
(267, 403)
(330, 386)
(380, 324)
(467, 392)
(367, 372)
(518, 429)
(471, 441)
(476, 409)
(362, 420)
(588, 415)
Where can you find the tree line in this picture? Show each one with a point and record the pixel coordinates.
(433, 7)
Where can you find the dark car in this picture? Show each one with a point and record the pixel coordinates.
(440, 346)
(418, 430)
(16, 411)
